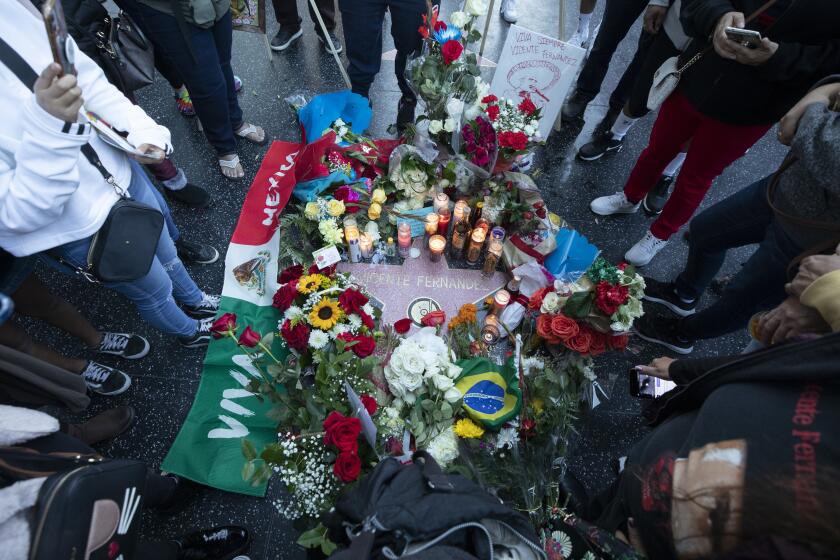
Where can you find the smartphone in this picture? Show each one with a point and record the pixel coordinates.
(63, 48)
(7, 306)
(746, 37)
(646, 386)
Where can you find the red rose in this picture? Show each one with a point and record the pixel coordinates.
(536, 300)
(541, 213)
(609, 297)
(433, 318)
(618, 342)
(364, 345)
(489, 99)
(291, 274)
(249, 337)
(285, 295)
(223, 325)
(544, 329)
(564, 327)
(352, 300)
(296, 337)
(342, 193)
(370, 404)
(579, 343)
(329, 271)
(493, 112)
(342, 432)
(451, 50)
(347, 467)
(527, 106)
(599, 343)
(402, 326)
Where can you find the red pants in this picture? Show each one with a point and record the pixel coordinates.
(714, 145)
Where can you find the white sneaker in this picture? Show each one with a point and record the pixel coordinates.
(579, 39)
(643, 252)
(508, 9)
(613, 204)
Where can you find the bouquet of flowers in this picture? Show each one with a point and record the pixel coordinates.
(479, 142)
(516, 125)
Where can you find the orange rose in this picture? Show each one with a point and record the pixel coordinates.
(564, 327)
(579, 343)
(544, 329)
(618, 342)
(598, 344)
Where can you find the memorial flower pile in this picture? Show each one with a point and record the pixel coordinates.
(516, 125)
(479, 142)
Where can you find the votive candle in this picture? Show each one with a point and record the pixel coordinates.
(498, 233)
(500, 301)
(441, 201)
(351, 234)
(476, 245)
(404, 239)
(494, 252)
(460, 207)
(431, 223)
(437, 245)
(366, 245)
(444, 217)
(490, 332)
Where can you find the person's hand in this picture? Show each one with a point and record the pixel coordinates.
(754, 56)
(58, 95)
(810, 269)
(723, 46)
(790, 122)
(791, 318)
(151, 154)
(654, 17)
(658, 368)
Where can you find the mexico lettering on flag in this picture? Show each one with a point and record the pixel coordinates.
(208, 447)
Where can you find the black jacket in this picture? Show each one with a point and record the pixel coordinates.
(808, 34)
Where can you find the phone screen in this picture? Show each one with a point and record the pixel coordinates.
(63, 48)
(647, 386)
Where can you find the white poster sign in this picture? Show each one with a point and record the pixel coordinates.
(539, 66)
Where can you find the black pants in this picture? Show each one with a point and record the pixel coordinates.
(619, 16)
(362, 23)
(286, 13)
(641, 70)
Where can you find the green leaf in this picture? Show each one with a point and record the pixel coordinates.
(272, 454)
(579, 305)
(248, 450)
(312, 538)
(248, 470)
(327, 546)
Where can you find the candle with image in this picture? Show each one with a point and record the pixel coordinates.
(476, 245)
(366, 245)
(351, 234)
(404, 239)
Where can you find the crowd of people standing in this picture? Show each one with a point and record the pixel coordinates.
(60, 183)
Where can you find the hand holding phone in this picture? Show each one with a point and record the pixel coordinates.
(744, 37)
(646, 386)
(58, 95)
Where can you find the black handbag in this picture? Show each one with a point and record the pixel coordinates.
(124, 247)
(130, 51)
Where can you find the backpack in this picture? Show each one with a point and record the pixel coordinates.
(416, 511)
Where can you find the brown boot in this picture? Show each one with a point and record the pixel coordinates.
(105, 425)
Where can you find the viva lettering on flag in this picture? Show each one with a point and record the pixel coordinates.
(208, 447)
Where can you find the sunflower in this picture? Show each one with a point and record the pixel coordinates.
(325, 315)
(310, 283)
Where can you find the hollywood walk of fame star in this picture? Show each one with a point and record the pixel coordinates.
(419, 286)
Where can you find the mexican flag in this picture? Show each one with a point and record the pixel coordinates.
(208, 447)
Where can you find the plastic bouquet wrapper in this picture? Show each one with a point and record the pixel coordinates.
(534, 247)
(324, 110)
(533, 277)
(297, 100)
(572, 257)
(517, 126)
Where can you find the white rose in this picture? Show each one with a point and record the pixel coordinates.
(452, 395)
(454, 107)
(441, 382)
(453, 371)
(435, 127)
(449, 125)
(444, 447)
(476, 7)
(551, 303)
(459, 19)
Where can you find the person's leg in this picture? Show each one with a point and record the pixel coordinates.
(660, 50)
(13, 336)
(406, 18)
(759, 285)
(327, 9)
(204, 77)
(167, 69)
(714, 146)
(676, 123)
(581, 35)
(622, 91)
(739, 220)
(286, 13)
(161, 204)
(223, 43)
(362, 24)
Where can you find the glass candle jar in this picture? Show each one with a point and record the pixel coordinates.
(490, 332)
(351, 234)
(404, 239)
(460, 207)
(441, 201)
(476, 245)
(437, 245)
(494, 253)
(444, 217)
(431, 223)
(500, 301)
(366, 245)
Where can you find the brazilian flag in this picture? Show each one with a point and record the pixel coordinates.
(491, 392)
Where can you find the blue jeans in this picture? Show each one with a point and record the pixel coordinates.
(742, 219)
(209, 79)
(362, 24)
(155, 294)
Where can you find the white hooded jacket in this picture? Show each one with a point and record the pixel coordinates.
(49, 193)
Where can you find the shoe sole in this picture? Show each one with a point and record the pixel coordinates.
(678, 310)
(678, 349)
(288, 43)
(119, 391)
(602, 154)
(201, 342)
(633, 211)
(339, 50)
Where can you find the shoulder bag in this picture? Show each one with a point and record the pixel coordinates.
(667, 77)
(129, 50)
(124, 247)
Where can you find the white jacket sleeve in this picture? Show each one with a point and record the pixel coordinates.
(37, 180)
(109, 103)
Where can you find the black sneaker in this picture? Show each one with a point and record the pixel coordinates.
(201, 337)
(105, 380)
(664, 331)
(219, 543)
(125, 345)
(574, 108)
(655, 200)
(191, 196)
(336, 43)
(207, 308)
(405, 112)
(665, 293)
(285, 36)
(197, 253)
(601, 145)
(608, 120)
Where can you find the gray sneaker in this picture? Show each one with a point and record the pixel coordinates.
(105, 380)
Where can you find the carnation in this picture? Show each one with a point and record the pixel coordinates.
(318, 339)
(444, 447)
(292, 313)
(330, 231)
